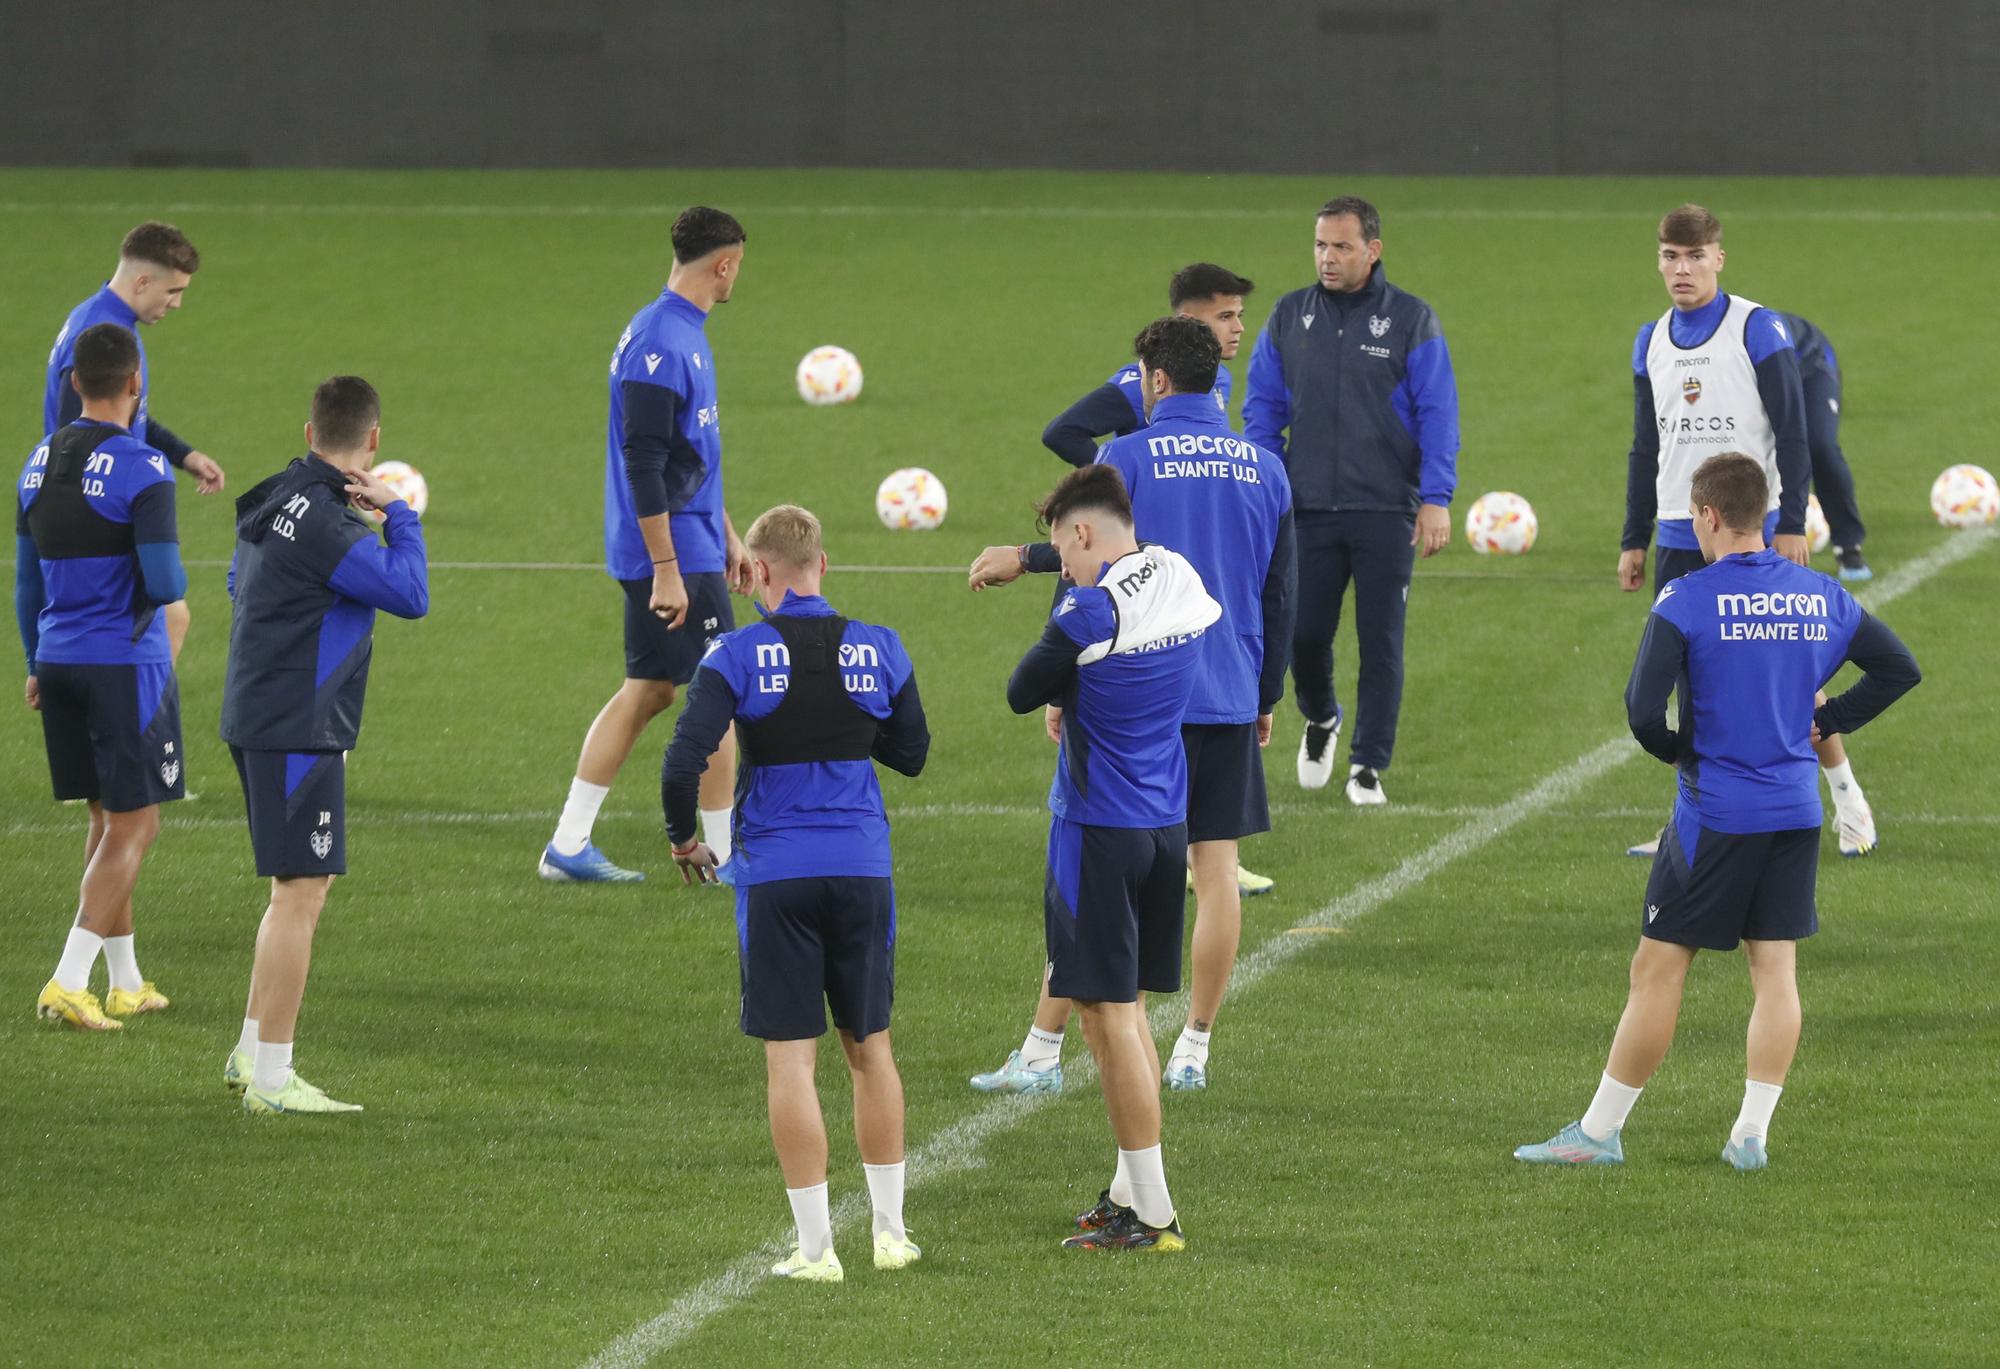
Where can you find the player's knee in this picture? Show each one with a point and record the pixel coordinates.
(137, 828)
(303, 898)
(650, 697)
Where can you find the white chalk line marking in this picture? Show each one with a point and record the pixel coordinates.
(956, 1147)
(666, 212)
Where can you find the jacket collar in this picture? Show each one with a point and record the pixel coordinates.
(684, 306)
(116, 303)
(805, 605)
(319, 468)
(1196, 409)
(1369, 296)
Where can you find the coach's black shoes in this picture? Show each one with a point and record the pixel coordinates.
(1853, 565)
(1364, 787)
(1316, 752)
(1126, 1232)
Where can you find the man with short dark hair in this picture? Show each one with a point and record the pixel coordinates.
(1718, 371)
(1363, 409)
(815, 697)
(1226, 506)
(156, 262)
(1119, 659)
(308, 577)
(1215, 295)
(668, 540)
(96, 556)
(1746, 642)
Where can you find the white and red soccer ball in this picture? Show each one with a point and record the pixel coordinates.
(910, 499)
(407, 481)
(1501, 523)
(1818, 532)
(829, 375)
(1966, 497)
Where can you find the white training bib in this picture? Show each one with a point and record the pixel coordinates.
(1706, 402)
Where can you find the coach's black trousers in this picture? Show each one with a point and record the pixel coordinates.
(1372, 552)
(1832, 481)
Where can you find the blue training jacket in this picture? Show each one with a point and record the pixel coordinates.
(663, 444)
(1226, 505)
(1355, 392)
(307, 579)
(60, 402)
(96, 549)
(812, 715)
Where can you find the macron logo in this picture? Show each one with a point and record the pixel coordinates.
(1665, 594)
(653, 360)
(158, 463)
(1068, 603)
(697, 362)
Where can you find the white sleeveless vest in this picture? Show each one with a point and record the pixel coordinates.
(1705, 401)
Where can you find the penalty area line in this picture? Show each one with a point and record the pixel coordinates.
(956, 1148)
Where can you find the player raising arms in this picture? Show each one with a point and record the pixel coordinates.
(1746, 642)
(667, 537)
(1230, 514)
(156, 263)
(1718, 372)
(96, 555)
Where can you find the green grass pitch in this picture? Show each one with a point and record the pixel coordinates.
(565, 1135)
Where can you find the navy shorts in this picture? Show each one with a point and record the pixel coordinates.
(1713, 889)
(1671, 563)
(653, 651)
(1112, 910)
(1225, 781)
(804, 944)
(113, 733)
(297, 802)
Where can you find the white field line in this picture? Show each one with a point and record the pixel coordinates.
(956, 1147)
(666, 212)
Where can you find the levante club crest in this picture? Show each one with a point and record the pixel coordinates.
(1691, 389)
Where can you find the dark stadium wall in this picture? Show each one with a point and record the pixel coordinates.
(1439, 86)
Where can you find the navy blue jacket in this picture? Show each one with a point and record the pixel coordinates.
(1363, 383)
(307, 579)
(1814, 348)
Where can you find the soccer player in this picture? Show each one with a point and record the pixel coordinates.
(1833, 480)
(1746, 643)
(668, 540)
(1215, 295)
(156, 263)
(1718, 371)
(814, 696)
(1119, 659)
(1211, 293)
(96, 557)
(1363, 410)
(1226, 506)
(308, 577)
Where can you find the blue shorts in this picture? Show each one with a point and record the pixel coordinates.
(1112, 910)
(1713, 889)
(1671, 563)
(297, 803)
(804, 944)
(1225, 782)
(113, 733)
(653, 651)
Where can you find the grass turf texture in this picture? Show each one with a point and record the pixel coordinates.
(565, 1133)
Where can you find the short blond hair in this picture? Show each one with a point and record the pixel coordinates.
(786, 534)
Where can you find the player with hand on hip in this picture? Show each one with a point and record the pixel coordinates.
(1747, 642)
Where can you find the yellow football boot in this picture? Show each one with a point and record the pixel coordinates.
(80, 1009)
(127, 1002)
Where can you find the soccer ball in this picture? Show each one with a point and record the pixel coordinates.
(910, 498)
(1965, 497)
(405, 480)
(1501, 522)
(1818, 534)
(829, 375)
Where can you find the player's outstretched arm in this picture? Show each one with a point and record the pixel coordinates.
(1662, 652)
(1888, 672)
(1073, 433)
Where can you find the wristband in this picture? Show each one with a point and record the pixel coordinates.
(1022, 552)
(686, 850)
(668, 561)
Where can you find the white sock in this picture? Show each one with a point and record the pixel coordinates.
(1840, 779)
(246, 1044)
(1193, 1045)
(1759, 1101)
(123, 963)
(1041, 1049)
(715, 831)
(1149, 1185)
(79, 955)
(815, 1223)
(1121, 1183)
(885, 1190)
(1610, 1108)
(274, 1066)
(579, 815)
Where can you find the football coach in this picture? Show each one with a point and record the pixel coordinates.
(1352, 385)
